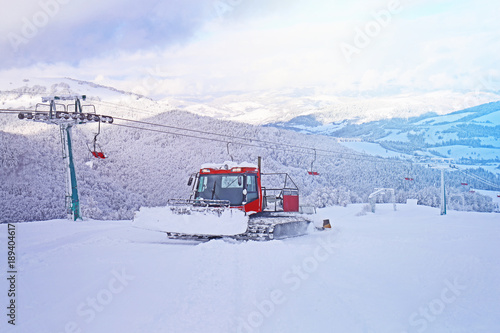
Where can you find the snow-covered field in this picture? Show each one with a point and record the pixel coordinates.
(409, 270)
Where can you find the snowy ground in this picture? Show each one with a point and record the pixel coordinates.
(406, 271)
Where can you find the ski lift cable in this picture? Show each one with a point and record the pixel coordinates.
(325, 152)
(480, 179)
(304, 151)
(328, 152)
(218, 134)
(233, 137)
(197, 137)
(276, 144)
(476, 177)
(192, 130)
(202, 132)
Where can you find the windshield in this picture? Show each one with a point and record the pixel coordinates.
(226, 187)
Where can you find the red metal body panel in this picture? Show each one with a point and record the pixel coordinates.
(291, 203)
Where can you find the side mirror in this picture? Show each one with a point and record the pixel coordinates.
(244, 196)
(190, 181)
(240, 180)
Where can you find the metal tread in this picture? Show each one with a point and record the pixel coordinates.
(260, 227)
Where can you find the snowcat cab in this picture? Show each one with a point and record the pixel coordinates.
(229, 200)
(238, 186)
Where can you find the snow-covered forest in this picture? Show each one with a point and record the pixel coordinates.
(145, 168)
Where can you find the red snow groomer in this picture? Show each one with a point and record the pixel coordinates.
(229, 200)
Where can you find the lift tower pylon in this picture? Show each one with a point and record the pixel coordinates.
(66, 120)
(445, 164)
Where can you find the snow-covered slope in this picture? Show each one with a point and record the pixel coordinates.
(409, 270)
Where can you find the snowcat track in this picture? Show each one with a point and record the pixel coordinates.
(261, 227)
(268, 226)
(175, 235)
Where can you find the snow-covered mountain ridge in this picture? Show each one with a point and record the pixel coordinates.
(262, 107)
(470, 136)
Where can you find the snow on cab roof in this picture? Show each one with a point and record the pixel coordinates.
(228, 165)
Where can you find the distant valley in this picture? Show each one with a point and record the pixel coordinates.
(468, 137)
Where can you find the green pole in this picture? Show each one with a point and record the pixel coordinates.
(75, 202)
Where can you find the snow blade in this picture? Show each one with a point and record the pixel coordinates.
(190, 220)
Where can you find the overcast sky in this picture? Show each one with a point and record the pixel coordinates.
(212, 46)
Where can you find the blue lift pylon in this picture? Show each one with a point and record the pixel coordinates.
(66, 120)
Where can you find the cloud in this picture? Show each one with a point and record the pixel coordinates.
(203, 47)
(69, 30)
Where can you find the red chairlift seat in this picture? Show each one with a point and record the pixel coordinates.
(313, 173)
(98, 154)
(464, 184)
(408, 178)
(95, 153)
